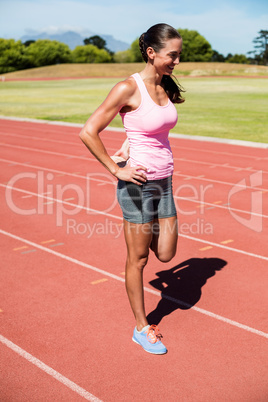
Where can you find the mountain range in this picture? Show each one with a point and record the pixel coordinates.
(73, 39)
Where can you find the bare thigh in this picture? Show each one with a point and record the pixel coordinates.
(138, 238)
(165, 238)
(161, 235)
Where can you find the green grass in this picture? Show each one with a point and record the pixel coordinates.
(234, 108)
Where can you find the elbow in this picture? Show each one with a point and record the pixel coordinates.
(88, 132)
(84, 136)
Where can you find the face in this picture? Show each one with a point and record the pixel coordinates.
(168, 57)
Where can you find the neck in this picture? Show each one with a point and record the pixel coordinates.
(150, 75)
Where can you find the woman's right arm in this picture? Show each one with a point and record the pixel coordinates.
(119, 96)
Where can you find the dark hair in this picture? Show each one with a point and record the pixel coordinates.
(156, 37)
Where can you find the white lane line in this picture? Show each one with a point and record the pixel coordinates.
(71, 156)
(118, 278)
(93, 159)
(225, 247)
(210, 314)
(204, 204)
(173, 136)
(50, 371)
(61, 201)
(219, 141)
(119, 130)
(217, 181)
(114, 183)
(218, 165)
(209, 151)
(49, 152)
(120, 218)
(78, 143)
(63, 256)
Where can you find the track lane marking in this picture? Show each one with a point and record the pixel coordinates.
(198, 150)
(176, 197)
(217, 181)
(225, 247)
(56, 245)
(99, 281)
(61, 129)
(60, 172)
(173, 145)
(120, 218)
(28, 251)
(78, 143)
(62, 202)
(205, 248)
(176, 173)
(67, 156)
(219, 152)
(92, 159)
(218, 165)
(118, 278)
(19, 248)
(227, 241)
(49, 370)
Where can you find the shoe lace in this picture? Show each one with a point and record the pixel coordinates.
(153, 334)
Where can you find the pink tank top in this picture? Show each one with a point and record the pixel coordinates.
(147, 129)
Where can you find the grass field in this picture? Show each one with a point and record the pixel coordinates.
(234, 108)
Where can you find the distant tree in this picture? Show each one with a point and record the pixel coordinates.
(99, 42)
(45, 52)
(261, 48)
(12, 56)
(217, 57)
(229, 56)
(135, 51)
(238, 58)
(124, 56)
(90, 54)
(28, 42)
(195, 46)
(96, 40)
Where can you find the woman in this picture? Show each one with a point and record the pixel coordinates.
(145, 103)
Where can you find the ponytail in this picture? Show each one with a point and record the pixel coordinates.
(142, 48)
(155, 37)
(173, 89)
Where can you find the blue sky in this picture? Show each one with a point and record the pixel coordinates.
(229, 26)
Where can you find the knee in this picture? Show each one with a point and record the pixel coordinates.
(139, 262)
(142, 262)
(166, 256)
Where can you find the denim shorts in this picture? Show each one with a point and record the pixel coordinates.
(142, 204)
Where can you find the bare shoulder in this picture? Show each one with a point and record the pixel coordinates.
(126, 88)
(122, 93)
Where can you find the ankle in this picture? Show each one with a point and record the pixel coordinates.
(141, 325)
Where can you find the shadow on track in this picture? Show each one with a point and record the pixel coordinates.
(181, 285)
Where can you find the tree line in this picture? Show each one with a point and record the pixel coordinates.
(15, 55)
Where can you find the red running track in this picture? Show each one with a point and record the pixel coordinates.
(66, 324)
